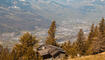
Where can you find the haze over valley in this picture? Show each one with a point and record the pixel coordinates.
(35, 16)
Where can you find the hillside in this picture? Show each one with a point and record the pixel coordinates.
(100, 56)
(16, 20)
(65, 12)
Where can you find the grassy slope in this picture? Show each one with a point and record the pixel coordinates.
(92, 57)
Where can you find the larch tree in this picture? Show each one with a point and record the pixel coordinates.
(96, 32)
(90, 39)
(25, 48)
(95, 43)
(67, 46)
(80, 43)
(98, 44)
(5, 54)
(91, 34)
(28, 40)
(51, 40)
(102, 26)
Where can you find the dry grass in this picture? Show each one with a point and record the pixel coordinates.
(92, 57)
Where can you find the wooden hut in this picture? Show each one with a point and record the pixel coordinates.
(50, 52)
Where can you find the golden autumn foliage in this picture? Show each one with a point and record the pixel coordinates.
(51, 40)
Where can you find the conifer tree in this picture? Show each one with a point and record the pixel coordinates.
(51, 35)
(25, 48)
(96, 32)
(70, 49)
(90, 39)
(80, 43)
(1, 47)
(102, 26)
(91, 34)
(73, 50)
(30, 55)
(67, 46)
(93, 45)
(98, 44)
(5, 54)
(28, 40)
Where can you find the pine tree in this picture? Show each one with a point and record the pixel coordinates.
(29, 55)
(67, 46)
(28, 40)
(51, 35)
(73, 50)
(90, 39)
(101, 37)
(80, 43)
(98, 45)
(25, 48)
(102, 26)
(91, 34)
(96, 32)
(5, 54)
(93, 45)
(1, 47)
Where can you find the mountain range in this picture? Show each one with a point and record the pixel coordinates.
(12, 21)
(18, 15)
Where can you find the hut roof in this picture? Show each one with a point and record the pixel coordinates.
(49, 49)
